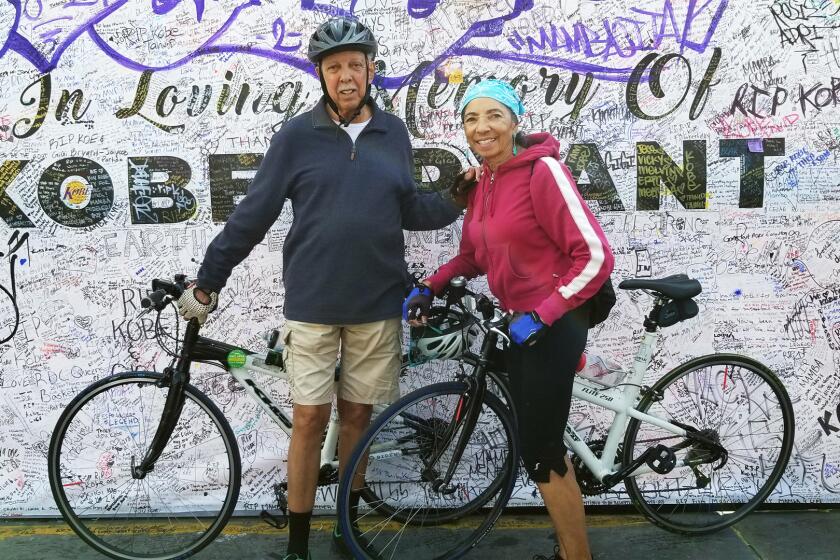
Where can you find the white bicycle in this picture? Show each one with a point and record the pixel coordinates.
(143, 464)
(696, 452)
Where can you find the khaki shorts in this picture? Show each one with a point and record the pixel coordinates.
(370, 361)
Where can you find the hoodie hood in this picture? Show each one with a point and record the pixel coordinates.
(537, 145)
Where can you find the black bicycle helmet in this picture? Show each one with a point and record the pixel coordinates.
(341, 34)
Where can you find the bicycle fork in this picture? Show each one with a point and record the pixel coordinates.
(177, 379)
(465, 417)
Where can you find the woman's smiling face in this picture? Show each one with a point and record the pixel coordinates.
(489, 127)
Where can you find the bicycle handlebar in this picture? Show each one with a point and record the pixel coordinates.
(157, 298)
(494, 318)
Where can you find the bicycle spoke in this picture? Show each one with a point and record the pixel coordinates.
(724, 409)
(141, 514)
(402, 487)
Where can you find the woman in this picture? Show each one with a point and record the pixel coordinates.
(545, 255)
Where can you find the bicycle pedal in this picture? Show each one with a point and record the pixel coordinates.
(661, 459)
(278, 521)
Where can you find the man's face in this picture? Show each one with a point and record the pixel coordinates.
(347, 75)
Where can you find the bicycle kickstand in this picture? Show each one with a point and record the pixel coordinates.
(278, 518)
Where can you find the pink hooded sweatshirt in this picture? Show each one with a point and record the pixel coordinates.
(533, 235)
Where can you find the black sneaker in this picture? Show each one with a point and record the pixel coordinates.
(555, 556)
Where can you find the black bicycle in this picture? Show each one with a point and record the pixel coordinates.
(695, 452)
(144, 465)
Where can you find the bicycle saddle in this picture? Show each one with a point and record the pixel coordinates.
(677, 286)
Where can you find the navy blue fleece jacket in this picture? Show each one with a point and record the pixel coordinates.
(344, 256)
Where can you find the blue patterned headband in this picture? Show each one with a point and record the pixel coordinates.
(494, 89)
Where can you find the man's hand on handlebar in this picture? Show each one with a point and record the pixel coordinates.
(197, 303)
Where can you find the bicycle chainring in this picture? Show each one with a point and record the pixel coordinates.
(589, 485)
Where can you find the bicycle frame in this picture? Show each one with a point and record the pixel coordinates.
(201, 348)
(621, 401)
(255, 363)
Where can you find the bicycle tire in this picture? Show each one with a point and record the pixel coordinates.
(738, 381)
(369, 495)
(395, 425)
(117, 416)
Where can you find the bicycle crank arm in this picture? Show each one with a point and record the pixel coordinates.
(650, 455)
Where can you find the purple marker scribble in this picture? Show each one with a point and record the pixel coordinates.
(421, 9)
(289, 43)
(206, 48)
(161, 7)
(9, 20)
(755, 145)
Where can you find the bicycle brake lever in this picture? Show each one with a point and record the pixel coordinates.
(143, 313)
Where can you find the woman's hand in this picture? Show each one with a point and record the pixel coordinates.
(418, 305)
(463, 184)
(526, 329)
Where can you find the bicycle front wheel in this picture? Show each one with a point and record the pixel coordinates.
(497, 385)
(732, 400)
(397, 454)
(172, 512)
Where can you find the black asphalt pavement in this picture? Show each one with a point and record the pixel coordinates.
(771, 535)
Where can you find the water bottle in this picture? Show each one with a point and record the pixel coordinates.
(600, 370)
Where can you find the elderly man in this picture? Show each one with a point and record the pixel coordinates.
(347, 168)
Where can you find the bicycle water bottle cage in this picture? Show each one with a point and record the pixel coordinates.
(274, 358)
(661, 459)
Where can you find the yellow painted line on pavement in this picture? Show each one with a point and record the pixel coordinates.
(251, 526)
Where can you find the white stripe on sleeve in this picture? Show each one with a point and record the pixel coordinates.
(596, 248)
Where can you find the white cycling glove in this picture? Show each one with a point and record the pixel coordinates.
(189, 307)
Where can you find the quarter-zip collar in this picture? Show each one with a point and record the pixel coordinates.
(322, 119)
(537, 145)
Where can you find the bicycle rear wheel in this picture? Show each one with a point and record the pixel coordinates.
(400, 444)
(176, 509)
(734, 400)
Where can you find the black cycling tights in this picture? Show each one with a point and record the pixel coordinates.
(541, 380)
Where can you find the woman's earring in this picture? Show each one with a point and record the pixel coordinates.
(514, 144)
